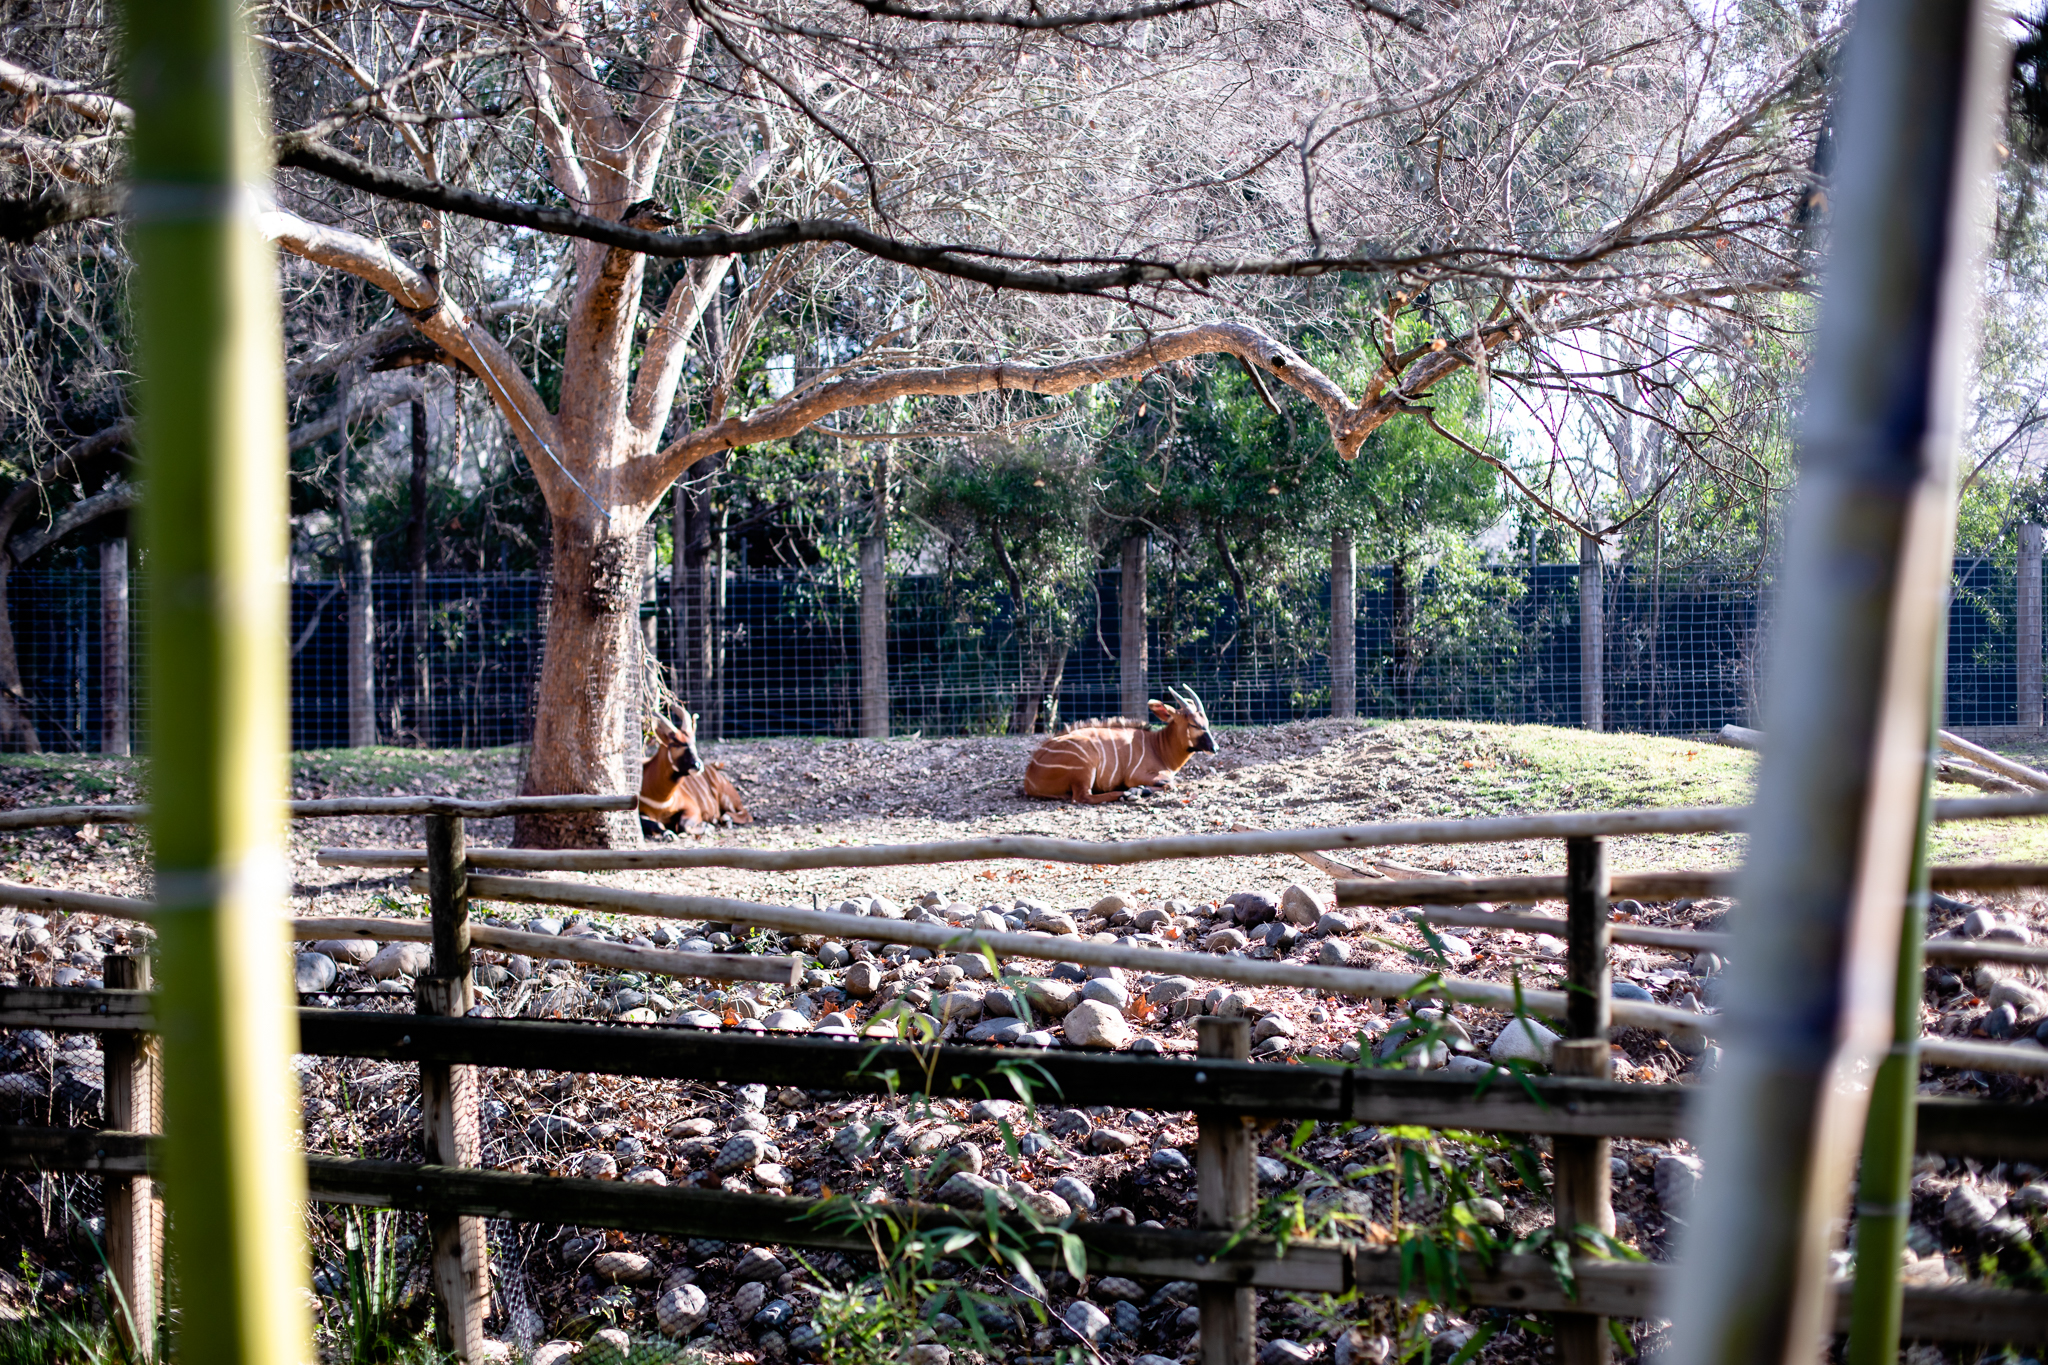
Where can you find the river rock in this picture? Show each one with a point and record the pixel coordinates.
(963, 1190)
(1250, 908)
(313, 972)
(1523, 1040)
(353, 951)
(1676, 1179)
(956, 1005)
(1108, 906)
(1049, 1207)
(1075, 1192)
(624, 1267)
(399, 959)
(997, 1031)
(681, 1310)
(1095, 1024)
(1089, 1322)
(758, 1264)
(1049, 998)
(1299, 905)
(1272, 1026)
(748, 1299)
(1172, 988)
(863, 979)
(786, 1021)
(961, 1156)
(1108, 991)
(1169, 1161)
(1977, 923)
(1225, 940)
(742, 1152)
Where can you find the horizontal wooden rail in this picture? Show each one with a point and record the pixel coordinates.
(1698, 941)
(1065, 948)
(2025, 1060)
(782, 971)
(1526, 1283)
(1647, 886)
(1326, 1092)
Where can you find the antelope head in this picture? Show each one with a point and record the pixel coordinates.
(679, 744)
(1186, 723)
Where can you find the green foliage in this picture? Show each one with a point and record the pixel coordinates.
(376, 1321)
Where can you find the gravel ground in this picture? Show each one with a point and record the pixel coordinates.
(568, 1283)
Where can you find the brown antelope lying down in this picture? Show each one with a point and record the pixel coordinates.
(1102, 759)
(677, 791)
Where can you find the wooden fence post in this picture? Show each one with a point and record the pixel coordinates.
(874, 607)
(2027, 641)
(1225, 1194)
(449, 1100)
(135, 1230)
(1579, 1165)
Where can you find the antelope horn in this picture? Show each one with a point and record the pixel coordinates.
(1200, 709)
(1174, 696)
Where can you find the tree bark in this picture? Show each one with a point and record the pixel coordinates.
(362, 651)
(1401, 610)
(114, 647)
(1131, 642)
(874, 610)
(585, 721)
(1343, 625)
(1592, 636)
(416, 561)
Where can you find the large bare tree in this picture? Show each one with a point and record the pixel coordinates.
(960, 207)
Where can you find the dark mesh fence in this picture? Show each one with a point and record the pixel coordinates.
(1494, 643)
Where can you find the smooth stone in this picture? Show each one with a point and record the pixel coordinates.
(996, 1031)
(1232, 1005)
(624, 1267)
(965, 1190)
(1273, 1026)
(597, 1166)
(1251, 907)
(1299, 905)
(1108, 906)
(1089, 1322)
(1628, 990)
(1270, 1170)
(742, 1152)
(1488, 1212)
(1332, 953)
(1225, 941)
(786, 1021)
(1463, 1064)
(1523, 1040)
(1039, 1038)
(1169, 1161)
(863, 979)
(1172, 988)
(956, 1005)
(1095, 1024)
(832, 956)
(1075, 1192)
(681, 1310)
(399, 959)
(748, 1299)
(1330, 924)
(1108, 991)
(990, 1111)
(2002, 1022)
(313, 972)
(1676, 1178)
(1109, 1141)
(1052, 999)
(353, 951)
(758, 1264)
(1978, 923)
(999, 1004)
(1285, 1352)
(973, 967)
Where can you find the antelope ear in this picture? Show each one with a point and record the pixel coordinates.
(1160, 709)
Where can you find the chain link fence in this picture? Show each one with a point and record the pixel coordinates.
(779, 652)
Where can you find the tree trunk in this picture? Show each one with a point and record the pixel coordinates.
(874, 610)
(416, 560)
(1343, 625)
(1400, 608)
(17, 730)
(1592, 635)
(114, 647)
(585, 724)
(1131, 660)
(1042, 684)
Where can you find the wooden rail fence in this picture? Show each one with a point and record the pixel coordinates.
(1578, 1109)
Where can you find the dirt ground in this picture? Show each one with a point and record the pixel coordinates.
(569, 1284)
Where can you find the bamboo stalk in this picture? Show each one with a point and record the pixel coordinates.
(1868, 556)
(210, 434)
(1051, 948)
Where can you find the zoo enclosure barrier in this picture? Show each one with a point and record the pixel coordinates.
(454, 666)
(1578, 1108)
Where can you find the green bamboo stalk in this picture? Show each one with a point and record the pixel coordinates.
(210, 430)
(1884, 1189)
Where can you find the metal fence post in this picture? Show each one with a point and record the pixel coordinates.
(1583, 1192)
(2027, 641)
(1132, 680)
(1225, 1193)
(449, 1099)
(1592, 636)
(135, 1229)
